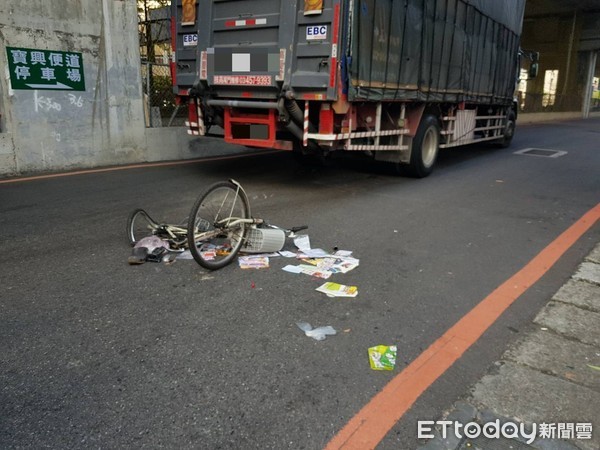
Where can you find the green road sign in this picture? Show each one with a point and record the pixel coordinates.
(45, 69)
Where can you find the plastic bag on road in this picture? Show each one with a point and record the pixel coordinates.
(319, 333)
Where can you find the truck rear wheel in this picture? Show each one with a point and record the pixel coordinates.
(509, 130)
(425, 147)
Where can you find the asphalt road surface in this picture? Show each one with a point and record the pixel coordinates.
(99, 354)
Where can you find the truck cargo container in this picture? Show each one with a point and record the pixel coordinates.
(393, 79)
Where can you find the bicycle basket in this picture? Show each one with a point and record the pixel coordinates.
(263, 240)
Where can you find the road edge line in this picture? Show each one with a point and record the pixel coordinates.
(134, 166)
(371, 424)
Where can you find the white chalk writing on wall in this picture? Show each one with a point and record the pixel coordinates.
(76, 100)
(43, 103)
(46, 104)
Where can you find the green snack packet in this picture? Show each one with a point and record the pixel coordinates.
(382, 357)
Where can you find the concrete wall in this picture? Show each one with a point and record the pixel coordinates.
(42, 130)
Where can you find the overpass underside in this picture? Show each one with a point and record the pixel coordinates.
(566, 33)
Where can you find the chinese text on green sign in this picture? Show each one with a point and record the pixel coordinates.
(45, 69)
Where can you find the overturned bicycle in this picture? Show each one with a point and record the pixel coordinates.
(220, 225)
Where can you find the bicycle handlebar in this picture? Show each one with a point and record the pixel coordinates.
(300, 228)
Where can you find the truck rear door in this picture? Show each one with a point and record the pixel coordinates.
(254, 48)
(184, 44)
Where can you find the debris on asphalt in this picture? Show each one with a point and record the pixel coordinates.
(292, 269)
(325, 264)
(138, 256)
(156, 255)
(593, 367)
(383, 357)
(169, 258)
(314, 262)
(307, 270)
(312, 253)
(185, 255)
(253, 262)
(337, 264)
(150, 248)
(338, 290)
(209, 254)
(264, 255)
(151, 242)
(314, 271)
(302, 241)
(319, 333)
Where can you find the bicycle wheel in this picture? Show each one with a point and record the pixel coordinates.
(140, 225)
(214, 240)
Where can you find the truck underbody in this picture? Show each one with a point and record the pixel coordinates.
(385, 131)
(394, 80)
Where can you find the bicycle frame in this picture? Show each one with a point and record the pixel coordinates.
(226, 224)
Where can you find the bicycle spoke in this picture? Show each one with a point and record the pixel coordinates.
(215, 236)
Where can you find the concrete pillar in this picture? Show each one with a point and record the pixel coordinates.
(587, 92)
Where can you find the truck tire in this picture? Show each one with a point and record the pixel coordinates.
(425, 147)
(509, 130)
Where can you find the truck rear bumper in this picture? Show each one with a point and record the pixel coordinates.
(254, 129)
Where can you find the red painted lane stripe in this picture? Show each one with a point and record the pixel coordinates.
(134, 166)
(367, 428)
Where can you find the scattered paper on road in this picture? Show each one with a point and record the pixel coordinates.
(383, 357)
(209, 255)
(292, 269)
(302, 241)
(264, 255)
(287, 254)
(314, 271)
(343, 265)
(313, 253)
(308, 270)
(253, 262)
(338, 290)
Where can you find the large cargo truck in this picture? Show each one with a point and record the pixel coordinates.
(393, 79)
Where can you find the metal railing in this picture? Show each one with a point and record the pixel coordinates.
(159, 100)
